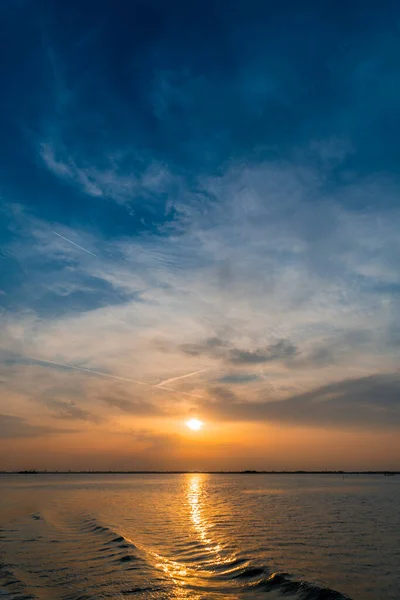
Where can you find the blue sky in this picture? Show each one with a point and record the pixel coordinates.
(204, 193)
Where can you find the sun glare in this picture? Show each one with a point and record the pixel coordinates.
(194, 424)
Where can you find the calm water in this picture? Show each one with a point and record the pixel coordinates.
(199, 537)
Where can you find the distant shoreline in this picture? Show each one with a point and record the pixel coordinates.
(246, 472)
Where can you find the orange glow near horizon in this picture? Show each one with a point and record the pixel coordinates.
(169, 444)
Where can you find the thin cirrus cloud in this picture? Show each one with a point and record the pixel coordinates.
(194, 219)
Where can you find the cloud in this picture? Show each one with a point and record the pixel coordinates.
(238, 378)
(337, 347)
(108, 182)
(280, 350)
(123, 401)
(19, 427)
(213, 346)
(216, 348)
(66, 169)
(371, 402)
(276, 307)
(70, 410)
(156, 442)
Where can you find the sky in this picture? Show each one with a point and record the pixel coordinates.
(199, 218)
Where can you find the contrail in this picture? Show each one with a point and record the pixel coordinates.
(85, 370)
(161, 384)
(73, 243)
(168, 389)
(66, 365)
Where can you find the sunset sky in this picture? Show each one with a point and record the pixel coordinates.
(200, 218)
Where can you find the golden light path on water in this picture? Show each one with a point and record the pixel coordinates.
(197, 500)
(184, 576)
(195, 497)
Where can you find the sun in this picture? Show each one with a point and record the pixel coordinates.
(194, 424)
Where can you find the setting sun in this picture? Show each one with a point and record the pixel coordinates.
(194, 424)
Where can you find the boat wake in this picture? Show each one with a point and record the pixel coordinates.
(84, 559)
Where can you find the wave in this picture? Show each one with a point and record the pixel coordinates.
(105, 562)
(300, 589)
(251, 578)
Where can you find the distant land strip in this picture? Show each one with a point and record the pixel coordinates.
(245, 472)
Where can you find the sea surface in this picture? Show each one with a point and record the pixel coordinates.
(199, 536)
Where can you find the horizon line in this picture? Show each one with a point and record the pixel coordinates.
(205, 472)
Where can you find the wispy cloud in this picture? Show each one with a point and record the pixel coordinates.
(66, 169)
(110, 182)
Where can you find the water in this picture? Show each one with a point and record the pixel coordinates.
(195, 536)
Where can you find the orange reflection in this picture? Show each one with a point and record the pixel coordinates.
(197, 500)
(187, 577)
